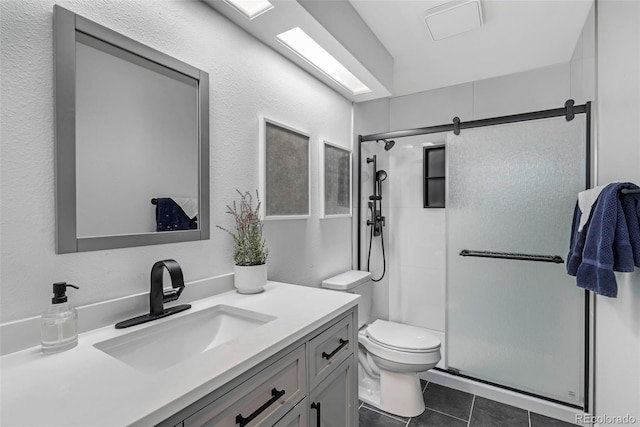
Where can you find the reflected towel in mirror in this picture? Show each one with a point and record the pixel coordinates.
(170, 216)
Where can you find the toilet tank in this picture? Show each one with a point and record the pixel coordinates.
(355, 282)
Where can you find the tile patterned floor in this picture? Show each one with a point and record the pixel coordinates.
(447, 407)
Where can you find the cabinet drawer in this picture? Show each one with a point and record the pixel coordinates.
(297, 417)
(262, 399)
(330, 348)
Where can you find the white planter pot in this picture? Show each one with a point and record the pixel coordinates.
(250, 279)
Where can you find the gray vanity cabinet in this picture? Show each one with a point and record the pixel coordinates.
(331, 399)
(286, 390)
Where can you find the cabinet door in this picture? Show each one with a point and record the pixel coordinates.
(297, 417)
(333, 403)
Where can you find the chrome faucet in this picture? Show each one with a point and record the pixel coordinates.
(158, 296)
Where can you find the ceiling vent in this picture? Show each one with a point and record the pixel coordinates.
(452, 18)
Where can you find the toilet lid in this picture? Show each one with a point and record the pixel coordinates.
(402, 337)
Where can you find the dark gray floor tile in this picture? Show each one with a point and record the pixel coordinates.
(538, 420)
(405, 419)
(431, 418)
(448, 401)
(488, 413)
(423, 383)
(369, 418)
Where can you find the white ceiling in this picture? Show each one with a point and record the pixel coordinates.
(386, 44)
(517, 35)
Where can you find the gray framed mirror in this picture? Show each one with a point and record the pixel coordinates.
(132, 141)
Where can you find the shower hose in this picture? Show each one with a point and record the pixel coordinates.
(384, 259)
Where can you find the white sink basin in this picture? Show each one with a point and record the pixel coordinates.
(159, 346)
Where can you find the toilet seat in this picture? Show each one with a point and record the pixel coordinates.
(417, 358)
(397, 336)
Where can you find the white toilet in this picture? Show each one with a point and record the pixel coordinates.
(390, 354)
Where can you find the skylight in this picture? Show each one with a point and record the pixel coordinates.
(250, 8)
(307, 48)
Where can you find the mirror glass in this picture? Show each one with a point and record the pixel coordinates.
(136, 140)
(132, 146)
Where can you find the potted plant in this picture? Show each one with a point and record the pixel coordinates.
(249, 247)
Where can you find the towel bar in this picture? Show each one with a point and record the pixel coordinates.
(629, 191)
(508, 255)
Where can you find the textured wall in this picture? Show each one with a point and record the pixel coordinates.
(247, 79)
(617, 355)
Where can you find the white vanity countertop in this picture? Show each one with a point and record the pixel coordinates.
(86, 387)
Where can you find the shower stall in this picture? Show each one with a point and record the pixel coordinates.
(513, 317)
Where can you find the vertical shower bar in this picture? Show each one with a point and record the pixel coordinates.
(359, 199)
(375, 170)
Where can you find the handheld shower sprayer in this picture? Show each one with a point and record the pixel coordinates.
(381, 175)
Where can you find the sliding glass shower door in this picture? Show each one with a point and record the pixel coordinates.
(516, 323)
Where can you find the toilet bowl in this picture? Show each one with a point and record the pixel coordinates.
(390, 354)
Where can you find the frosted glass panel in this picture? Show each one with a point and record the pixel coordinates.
(512, 188)
(337, 180)
(287, 172)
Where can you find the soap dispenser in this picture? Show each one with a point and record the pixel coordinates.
(60, 322)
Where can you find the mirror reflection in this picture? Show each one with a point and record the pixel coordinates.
(136, 144)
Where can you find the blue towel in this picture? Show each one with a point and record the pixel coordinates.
(609, 242)
(171, 217)
(631, 208)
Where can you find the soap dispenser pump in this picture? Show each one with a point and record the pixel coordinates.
(60, 322)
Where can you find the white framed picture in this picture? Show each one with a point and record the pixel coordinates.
(335, 181)
(284, 171)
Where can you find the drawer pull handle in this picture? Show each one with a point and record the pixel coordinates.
(333, 353)
(316, 406)
(242, 421)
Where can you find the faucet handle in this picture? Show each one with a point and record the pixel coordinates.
(172, 294)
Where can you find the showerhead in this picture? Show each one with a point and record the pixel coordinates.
(381, 175)
(388, 145)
